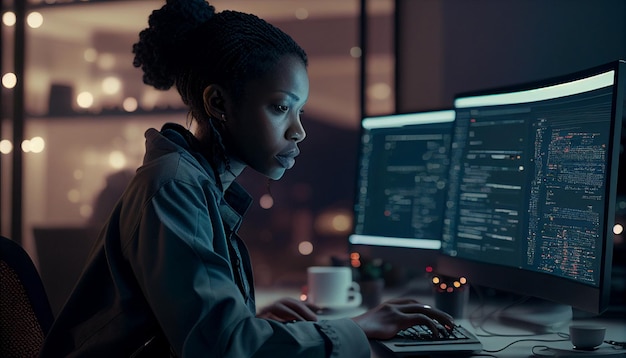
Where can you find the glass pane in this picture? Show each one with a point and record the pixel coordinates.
(87, 110)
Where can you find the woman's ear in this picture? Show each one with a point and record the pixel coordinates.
(214, 101)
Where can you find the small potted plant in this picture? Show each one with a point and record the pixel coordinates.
(370, 274)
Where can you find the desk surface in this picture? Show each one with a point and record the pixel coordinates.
(499, 339)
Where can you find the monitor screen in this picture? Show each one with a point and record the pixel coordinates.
(401, 184)
(532, 186)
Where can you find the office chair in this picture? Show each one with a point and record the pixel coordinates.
(25, 313)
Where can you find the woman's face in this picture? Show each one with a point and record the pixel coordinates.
(264, 128)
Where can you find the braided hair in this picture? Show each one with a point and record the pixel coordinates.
(189, 45)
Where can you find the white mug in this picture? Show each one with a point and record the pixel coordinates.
(332, 287)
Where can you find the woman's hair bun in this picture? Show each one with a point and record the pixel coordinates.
(160, 51)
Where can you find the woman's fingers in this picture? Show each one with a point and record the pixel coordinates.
(442, 317)
(289, 309)
(304, 311)
(385, 320)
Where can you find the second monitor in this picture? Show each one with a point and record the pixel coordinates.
(401, 186)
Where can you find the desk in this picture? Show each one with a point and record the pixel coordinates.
(526, 346)
(616, 330)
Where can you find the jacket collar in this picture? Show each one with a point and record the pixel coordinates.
(235, 196)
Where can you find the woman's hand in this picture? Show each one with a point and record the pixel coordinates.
(289, 309)
(386, 319)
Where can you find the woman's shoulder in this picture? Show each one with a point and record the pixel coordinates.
(168, 160)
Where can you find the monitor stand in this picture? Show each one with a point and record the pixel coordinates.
(537, 316)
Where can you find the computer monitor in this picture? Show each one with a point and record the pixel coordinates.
(532, 187)
(401, 187)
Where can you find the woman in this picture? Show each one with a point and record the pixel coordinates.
(169, 275)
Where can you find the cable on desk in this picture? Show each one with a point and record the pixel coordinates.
(572, 353)
(616, 343)
(529, 340)
(535, 353)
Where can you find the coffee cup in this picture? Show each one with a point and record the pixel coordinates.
(332, 287)
(586, 336)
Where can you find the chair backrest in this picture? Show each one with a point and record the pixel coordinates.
(25, 313)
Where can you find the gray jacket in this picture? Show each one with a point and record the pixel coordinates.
(169, 275)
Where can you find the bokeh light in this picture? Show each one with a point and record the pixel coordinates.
(6, 146)
(9, 80)
(90, 55)
(34, 20)
(37, 145)
(305, 248)
(9, 19)
(111, 85)
(266, 201)
(84, 100)
(130, 104)
(302, 14)
(356, 52)
(117, 159)
(73, 196)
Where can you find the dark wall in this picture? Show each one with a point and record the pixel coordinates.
(450, 46)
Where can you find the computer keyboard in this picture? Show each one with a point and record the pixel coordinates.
(420, 340)
(424, 333)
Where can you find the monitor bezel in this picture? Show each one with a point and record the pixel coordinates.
(541, 285)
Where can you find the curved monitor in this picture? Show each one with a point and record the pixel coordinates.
(532, 187)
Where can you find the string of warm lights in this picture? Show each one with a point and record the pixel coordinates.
(9, 81)
(34, 20)
(89, 98)
(110, 85)
(448, 284)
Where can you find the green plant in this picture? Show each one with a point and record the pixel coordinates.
(371, 269)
